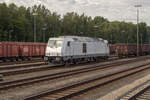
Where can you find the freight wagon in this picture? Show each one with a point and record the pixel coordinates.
(145, 49)
(8, 50)
(31, 49)
(21, 50)
(112, 48)
(124, 50)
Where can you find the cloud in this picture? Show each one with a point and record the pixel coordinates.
(122, 10)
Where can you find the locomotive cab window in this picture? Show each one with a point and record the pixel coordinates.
(84, 48)
(51, 43)
(68, 43)
(58, 43)
(55, 43)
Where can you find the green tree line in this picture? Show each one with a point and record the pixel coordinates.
(18, 23)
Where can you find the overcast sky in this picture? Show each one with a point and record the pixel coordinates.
(122, 10)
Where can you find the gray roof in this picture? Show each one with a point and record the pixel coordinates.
(82, 39)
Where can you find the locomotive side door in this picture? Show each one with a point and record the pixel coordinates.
(84, 49)
(69, 48)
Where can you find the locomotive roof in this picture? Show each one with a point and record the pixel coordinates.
(87, 39)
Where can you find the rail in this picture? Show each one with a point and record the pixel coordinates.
(79, 87)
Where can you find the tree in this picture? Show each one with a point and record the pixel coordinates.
(17, 24)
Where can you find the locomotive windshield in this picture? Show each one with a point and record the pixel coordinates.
(55, 43)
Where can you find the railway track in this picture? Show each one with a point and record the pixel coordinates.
(88, 68)
(21, 62)
(141, 92)
(71, 90)
(33, 67)
(25, 69)
(16, 66)
(143, 95)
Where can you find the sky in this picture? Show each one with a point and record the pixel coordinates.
(121, 10)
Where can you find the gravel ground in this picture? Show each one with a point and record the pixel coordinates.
(116, 89)
(18, 93)
(119, 92)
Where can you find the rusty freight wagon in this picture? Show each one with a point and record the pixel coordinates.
(30, 49)
(21, 50)
(8, 50)
(124, 50)
(112, 48)
(144, 49)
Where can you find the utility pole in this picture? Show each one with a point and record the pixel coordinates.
(44, 29)
(138, 6)
(34, 35)
(9, 36)
(141, 39)
(95, 28)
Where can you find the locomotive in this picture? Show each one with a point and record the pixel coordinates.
(73, 49)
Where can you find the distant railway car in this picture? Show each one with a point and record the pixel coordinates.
(25, 50)
(21, 50)
(144, 49)
(8, 50)
(123, 50)
(31, 49)
(73, 49)
(112, 48)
